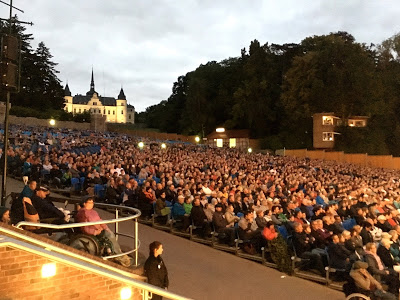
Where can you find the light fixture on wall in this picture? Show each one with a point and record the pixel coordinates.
(49, 270)
(126, 293)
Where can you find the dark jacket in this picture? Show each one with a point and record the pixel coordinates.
(156, 271)
(198, 215)
(46, 209)
(219, 221)
(301, 243)
(17, 208)
(366, 236)
(386, 227)
(338, 255)
(385, 256)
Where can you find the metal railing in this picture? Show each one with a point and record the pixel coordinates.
(117, 220)
(24, 242)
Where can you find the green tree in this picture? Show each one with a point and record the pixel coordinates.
(39, 86)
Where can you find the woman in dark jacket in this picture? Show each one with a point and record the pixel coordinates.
(155, 269)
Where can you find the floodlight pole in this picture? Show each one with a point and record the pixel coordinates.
(6, 115)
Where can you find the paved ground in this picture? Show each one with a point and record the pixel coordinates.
(201, 272)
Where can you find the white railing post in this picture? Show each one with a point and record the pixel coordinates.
(136, 241)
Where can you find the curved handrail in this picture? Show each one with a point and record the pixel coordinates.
(135, 216)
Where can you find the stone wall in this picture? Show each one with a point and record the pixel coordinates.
(29, 121)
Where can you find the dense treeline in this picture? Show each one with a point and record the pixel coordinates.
(274, 90)
(41, 93)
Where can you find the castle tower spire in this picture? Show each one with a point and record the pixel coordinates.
(92, 90)
(92, 82)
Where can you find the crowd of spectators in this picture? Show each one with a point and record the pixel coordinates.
(334, 213)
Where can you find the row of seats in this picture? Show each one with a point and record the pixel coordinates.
(297, 263)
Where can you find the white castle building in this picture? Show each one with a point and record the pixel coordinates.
(115, 110)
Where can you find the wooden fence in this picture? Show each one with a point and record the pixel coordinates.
(377, 161)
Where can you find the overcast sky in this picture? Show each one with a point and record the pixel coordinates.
(144, 45)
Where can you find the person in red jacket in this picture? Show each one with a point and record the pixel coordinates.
(269, 232)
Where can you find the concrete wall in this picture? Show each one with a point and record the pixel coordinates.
(43, 122)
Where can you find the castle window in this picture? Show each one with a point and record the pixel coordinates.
(113, 112)
(80, 111)
(129, 117)
(94, 103)
(122, 112)
(108, 111)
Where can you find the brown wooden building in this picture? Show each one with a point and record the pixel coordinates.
(229, 138)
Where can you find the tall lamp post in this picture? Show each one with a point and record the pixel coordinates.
(10, 80)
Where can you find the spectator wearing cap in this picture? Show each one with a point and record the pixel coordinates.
(383, 223)
(48, 212)
(366, 284)
(384, 253)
